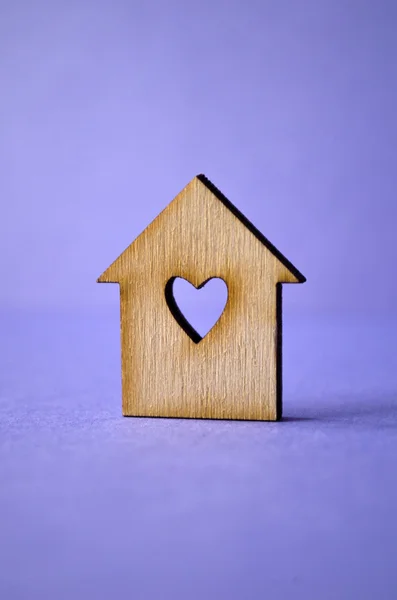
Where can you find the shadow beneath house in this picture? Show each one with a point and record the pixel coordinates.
(296, 419)
(366, 410)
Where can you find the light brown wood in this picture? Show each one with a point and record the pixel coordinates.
(232, 372)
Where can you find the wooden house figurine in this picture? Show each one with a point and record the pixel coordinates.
(168, 370)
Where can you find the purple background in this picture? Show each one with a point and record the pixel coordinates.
(108, 109)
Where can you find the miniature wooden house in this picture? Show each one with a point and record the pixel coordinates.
(168, 370)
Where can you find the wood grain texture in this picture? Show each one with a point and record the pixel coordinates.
(233, 372)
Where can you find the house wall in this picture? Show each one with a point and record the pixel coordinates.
(230, 374)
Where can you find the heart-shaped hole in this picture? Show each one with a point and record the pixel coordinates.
(196, 309)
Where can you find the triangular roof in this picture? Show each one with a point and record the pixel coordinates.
(243, 219)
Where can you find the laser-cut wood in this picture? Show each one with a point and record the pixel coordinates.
(235, 371)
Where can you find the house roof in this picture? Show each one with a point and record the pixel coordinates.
(243, 219)
(301, 278)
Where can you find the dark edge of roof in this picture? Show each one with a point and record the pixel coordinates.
(233, 209)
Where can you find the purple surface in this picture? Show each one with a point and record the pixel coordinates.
(100, 506)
